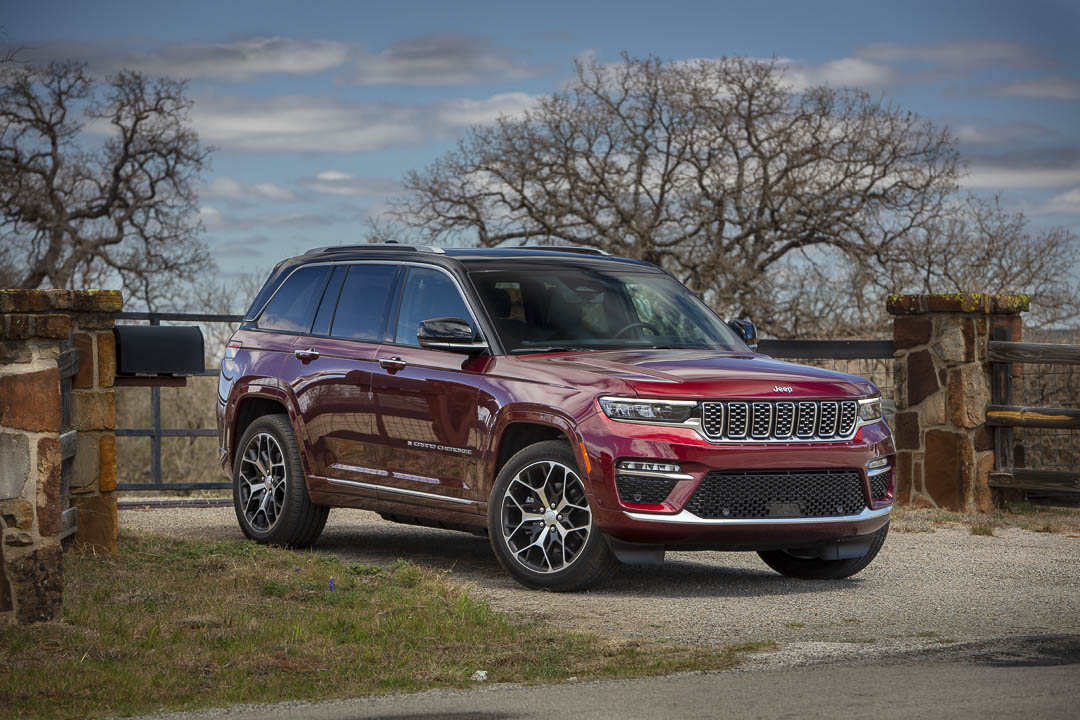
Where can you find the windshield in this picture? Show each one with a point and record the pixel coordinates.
(545, 309)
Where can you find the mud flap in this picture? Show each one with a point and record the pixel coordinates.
(636, 553)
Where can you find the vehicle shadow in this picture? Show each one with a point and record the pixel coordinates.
(469, 558)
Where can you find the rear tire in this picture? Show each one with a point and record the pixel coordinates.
(793, 566)
(269, 493)
(540, 524)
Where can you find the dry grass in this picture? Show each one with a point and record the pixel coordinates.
(171, 625)
(1027, 516)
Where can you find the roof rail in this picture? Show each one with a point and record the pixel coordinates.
(565, 248)
(376, 246)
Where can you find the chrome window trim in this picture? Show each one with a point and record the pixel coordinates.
(688, 518)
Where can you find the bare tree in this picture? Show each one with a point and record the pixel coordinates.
(715, 170)
(123, 210)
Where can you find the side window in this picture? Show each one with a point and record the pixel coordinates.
(329, 302)
(428, 294)
(294, 303)
(365, 296)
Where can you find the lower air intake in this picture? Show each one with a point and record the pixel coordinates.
(775, 494)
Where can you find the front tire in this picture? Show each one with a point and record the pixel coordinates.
(269, 493)
(790, 565)
(540, 524)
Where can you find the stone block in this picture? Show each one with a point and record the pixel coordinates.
(968, 395)
(18, 539)
(948, 467)
(983, 439)
(31, 401)
(922, 379)
(84, 376)
(949, 343)
(87, 462)
(107, 301)
(93, 409)
(97, 521)
(37, 584)
(932, 410)
(52, 326)
(907, 431)
(106, 359)
(17, 513)
(14, 351)
(957, 302)
(107, 471)
(20, 327)
(903, 477)
(94, 321)
(912, 331)
(14, 464)
(982, 493)
(48, 496)
(1009, 304)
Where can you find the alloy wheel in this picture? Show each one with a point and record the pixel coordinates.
(262, 482)
(546, 519)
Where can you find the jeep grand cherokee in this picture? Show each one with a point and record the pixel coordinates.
(579, 409)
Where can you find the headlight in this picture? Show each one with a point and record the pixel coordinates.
(657, 411)
(870, 409)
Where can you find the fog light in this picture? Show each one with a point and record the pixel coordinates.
(643, 466)
(877, 463)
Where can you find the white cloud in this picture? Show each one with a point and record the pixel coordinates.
(1067, 203)
(230, 189)
(342, 184)
(236, 60)
(1000, 177)
(1054, 88)
(845, 72)
(441, 59)
(972, 134)
(966, 54)
(305, 123)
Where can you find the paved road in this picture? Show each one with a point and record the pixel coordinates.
(1019, 678)
(924, 589)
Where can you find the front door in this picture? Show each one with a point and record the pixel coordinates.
(426, 401)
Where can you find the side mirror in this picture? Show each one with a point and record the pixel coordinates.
(453, 334)
(745, 329)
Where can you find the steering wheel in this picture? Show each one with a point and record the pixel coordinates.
(633, 325)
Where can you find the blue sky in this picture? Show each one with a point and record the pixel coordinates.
(318, 108)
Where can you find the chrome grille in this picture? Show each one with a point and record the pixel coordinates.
(779, 420)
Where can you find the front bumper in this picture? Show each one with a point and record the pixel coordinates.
(671, 524)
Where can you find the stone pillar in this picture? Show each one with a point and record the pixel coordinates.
(36, 326)
(945, 451)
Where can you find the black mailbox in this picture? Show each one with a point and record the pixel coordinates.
(158, 350)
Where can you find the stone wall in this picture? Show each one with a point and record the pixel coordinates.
(945, 451)
(36, 483)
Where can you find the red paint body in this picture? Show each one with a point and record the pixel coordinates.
(435, 427)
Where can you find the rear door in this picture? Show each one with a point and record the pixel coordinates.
(425, 399)
(332, 369)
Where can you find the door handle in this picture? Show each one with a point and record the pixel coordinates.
(392, 364)
(306, 356)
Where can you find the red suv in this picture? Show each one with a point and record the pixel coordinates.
(579, 409)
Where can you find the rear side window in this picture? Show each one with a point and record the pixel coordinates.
(428, 294)
(365, 296)
(329, 302)
(294, 303)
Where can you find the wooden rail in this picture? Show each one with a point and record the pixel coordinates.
(1003, 416)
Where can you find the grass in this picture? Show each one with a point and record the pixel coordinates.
(174, 625)
(1023, 515)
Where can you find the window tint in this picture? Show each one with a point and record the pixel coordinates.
(428, 294)
(329, 301)
(361, 310)
(294, 303)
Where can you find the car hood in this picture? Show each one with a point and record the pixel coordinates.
(712, 374)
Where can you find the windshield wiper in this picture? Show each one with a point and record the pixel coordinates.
(551, 349)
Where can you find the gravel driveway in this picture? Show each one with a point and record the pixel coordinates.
(924, 589)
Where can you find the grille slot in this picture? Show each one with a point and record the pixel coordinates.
(757, 494)
(759, 429)
(879, 486)
(785, 419)
(643, 490)
(827, 423)
(712, 419)
(807, 422)
(849, 412)
(737, 419)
